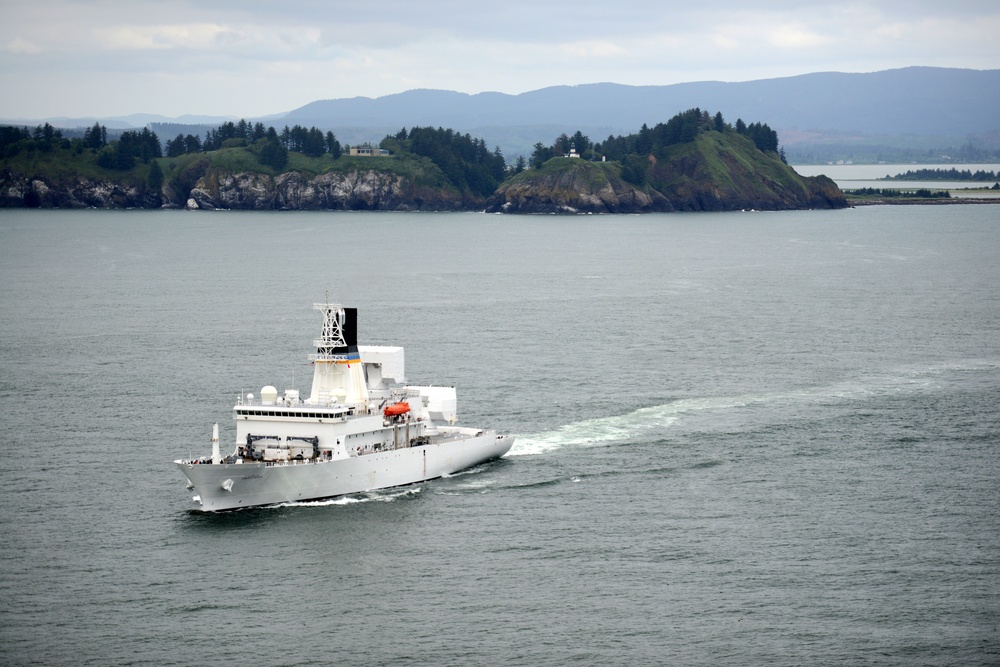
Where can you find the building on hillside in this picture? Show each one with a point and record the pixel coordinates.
(367, 150)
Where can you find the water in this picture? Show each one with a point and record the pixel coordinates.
(765, 438)
(857, 176)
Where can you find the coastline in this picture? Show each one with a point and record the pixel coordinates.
(896, 201)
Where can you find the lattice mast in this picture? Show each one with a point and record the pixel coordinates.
(337, 376)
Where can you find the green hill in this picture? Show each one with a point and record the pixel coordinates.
(62, 177)
(714, 171)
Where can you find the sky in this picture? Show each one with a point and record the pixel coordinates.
(104, 58)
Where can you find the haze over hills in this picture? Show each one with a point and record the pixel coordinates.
(915, 100)
(939, 105)
(912, 108)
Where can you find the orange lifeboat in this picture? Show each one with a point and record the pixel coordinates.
(397, 409)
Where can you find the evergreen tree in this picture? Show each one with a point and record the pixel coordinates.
(107, 158)
(259, 132)
(175, 147)
(332, 145)
(634, 170)
(466, 162)
(540, 155)
(562, 145)
(644, 142)
(96, 137)
(312, 143)
(272, 153)
(154, 180)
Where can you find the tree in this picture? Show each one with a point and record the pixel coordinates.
(272, 153)
(311, 141)
(466, 162)
(332, 145)
(540, 155)
(155, 177)
(562, 144)
(763, 137)
(107, 158)
(634, 170)
(175, 147)
(192, 144)
(644, 142)
(96, 137)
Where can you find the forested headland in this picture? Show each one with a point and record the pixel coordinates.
(252, 166)
(696, 161)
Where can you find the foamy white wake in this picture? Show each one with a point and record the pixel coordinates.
(652, 422)
(380, 496)
(642, 424)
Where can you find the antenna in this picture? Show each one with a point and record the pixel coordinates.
(332, 335)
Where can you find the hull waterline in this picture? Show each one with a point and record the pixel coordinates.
(240, 485)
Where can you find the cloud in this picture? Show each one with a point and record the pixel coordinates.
(22, 45)
(199, 36)
(797, 37)
(247, 57)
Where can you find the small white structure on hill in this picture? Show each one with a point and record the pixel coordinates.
(367, 150)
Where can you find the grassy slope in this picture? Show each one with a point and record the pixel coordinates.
(593, 174)
(60, 164)
(726, 163)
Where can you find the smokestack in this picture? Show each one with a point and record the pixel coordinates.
(351, 328)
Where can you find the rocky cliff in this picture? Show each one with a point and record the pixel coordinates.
(202, 187)
(71, 191)
(568, 185)
(356, 190)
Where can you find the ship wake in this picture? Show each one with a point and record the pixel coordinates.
(377, 496)
(653, 423)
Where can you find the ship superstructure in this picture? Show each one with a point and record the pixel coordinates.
(361, 428)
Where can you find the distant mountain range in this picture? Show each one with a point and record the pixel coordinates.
(915, 100)
(941, 107)
(915, 107)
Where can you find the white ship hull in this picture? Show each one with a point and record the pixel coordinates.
(239, 485)
(362, 428)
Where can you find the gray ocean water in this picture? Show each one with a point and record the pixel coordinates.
(743, 439)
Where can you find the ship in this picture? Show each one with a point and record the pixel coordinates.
(361, 429)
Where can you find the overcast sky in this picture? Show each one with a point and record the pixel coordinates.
(251, 58)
